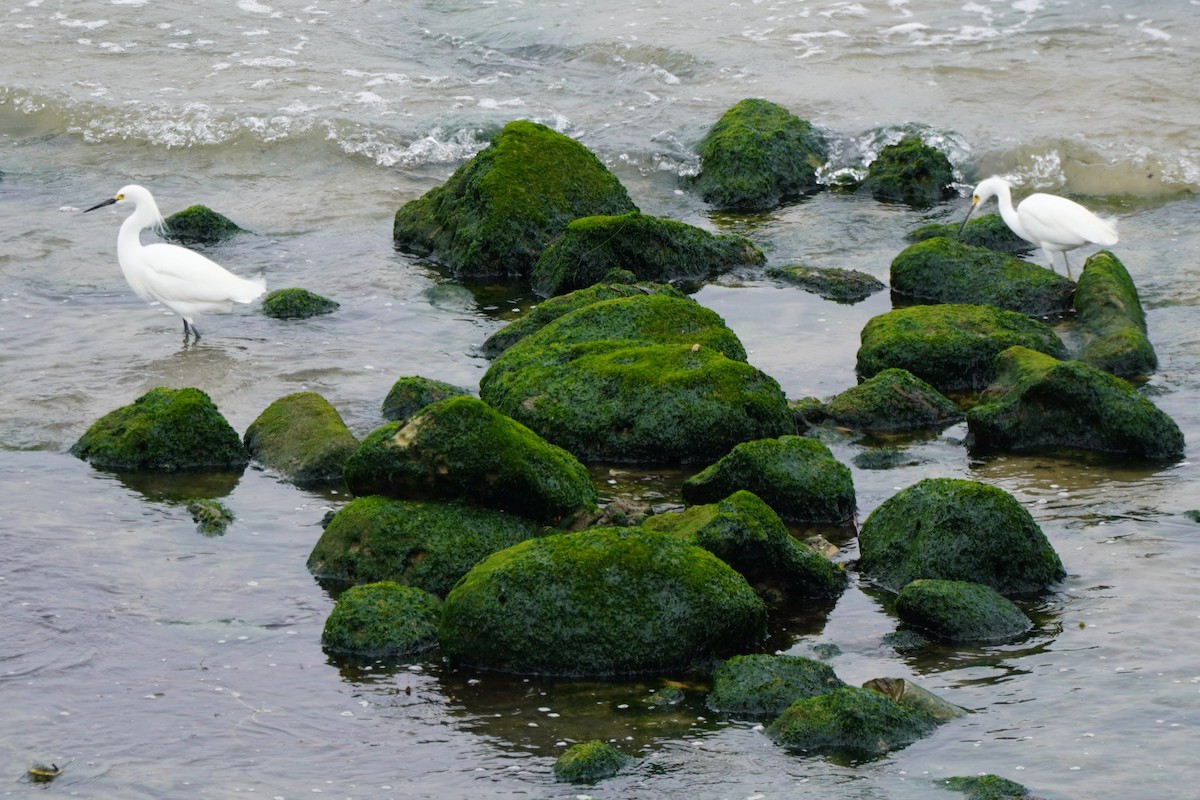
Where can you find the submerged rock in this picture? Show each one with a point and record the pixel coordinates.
(988, 787)
(588, 762)
(1110, 320)
(961, 611)
(840, 285)
(382, 619)
(909, 694)
(302, 437)
(212, 517)
(849, 718)
(760, 684)
(910, 172)
(199, 224)
(892, 400)
(297, 304)
(410, 394)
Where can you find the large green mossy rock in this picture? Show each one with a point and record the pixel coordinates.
(461, 448)
(497, 212)
(958, 530)
(796, 476)
(761, 684)
(951, 347)
(945, 271)
(426, 545)
(297, 304)
(757, 156)
(411, 393)
(840, 285)
(892, 400)
(588, 762)
(849, 719)
(1039, 402)
(749, 536)
(164, 429)
(302, 437)
(199, 224)
(602, 602)
(910, 172)
(1110, 321)
(987, 230)
(652, 248)
(961, 611)
(382, 619)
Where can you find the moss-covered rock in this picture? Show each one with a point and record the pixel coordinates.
(988, 787)
(1040, 402)
(850, 719)
(410, 394)
(1110, 320)
(382, 619)
(957, 530)
(164, 429)
(757, 156)
(961, 611)
(987, 230)
(296, 304)
(497, 212)
(588, 762)
(951, 347)
(765, 685)
(652, 248)
(602, 602)
(461, 448)
(840, 285)
(426, 545)
(910, 172)
(808, 412)
(212, 517)
(946, 271)
(302, 437)
(798, 477)
(200, 225)
(892, 400)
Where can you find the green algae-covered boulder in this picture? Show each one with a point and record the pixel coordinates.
(411, 393)
(749, 536)
(958, 530)
(652, 248)
(798, 477)
(461, 448)
(988, 787)
(987, 230)
(760, 684)
(1039, 402)
(892, 400)
(200, 225)
(840, 285)
(302, 437)
(588, 762)
(164, 429)
(945, 271)
(601, 602)
(1110, 320)
(808, 412)
(951, 347)
(849, 719)
(497, 212)
(961, 611)
(382, 619)
(757, 156)
(296, 304)
(910, 172)
(429, 545)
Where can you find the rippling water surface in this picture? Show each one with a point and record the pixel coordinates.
(152, 661)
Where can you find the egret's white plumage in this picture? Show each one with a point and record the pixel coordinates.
(1053, 223)
(181, 279)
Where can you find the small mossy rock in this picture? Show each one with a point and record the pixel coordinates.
(164, 429)
(892, 400)
(461, 448)
(410, 394)
(382, 619)
(749, 536)
(988, 787)
(945, 271)
(588, 762)
(987, 230)
(497, 212)
(200, 225)
(951, 347)
(808, 412)
(601, 602)
(296, 304)
(760, 684)
(796, 476)
(212, 517)
(757, 156)
(840, 285)
(958, 530)
(1110, 320)
(849, 719)
(887, 458)
(1039, 402)
(302, 437)
(652, 248)
(909, 694)
(910, 172)
(961, 611)
(426, 545)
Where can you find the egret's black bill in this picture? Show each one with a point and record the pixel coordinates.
(107, 202)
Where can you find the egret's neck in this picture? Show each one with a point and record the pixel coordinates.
(1008, 213)
(145, 215)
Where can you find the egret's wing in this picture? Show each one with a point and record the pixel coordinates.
(177, 274)
(1064, 223)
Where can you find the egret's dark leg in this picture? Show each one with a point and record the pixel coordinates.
(1068, 263)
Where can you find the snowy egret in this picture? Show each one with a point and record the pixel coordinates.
(182, 280)
(1053, 223)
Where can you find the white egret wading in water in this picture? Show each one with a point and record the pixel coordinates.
(1053, 223)
(182, 280)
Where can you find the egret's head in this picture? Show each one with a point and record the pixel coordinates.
(984, 191)
(131, 193)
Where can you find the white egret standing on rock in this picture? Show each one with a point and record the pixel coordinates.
(181, 279)
(1053, 223)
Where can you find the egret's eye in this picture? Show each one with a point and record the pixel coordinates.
(120, 197)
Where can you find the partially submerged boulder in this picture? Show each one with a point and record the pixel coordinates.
(761, 684)
(297, 303)
(988, 787)
(910, 172)
(302, 437)
(909, 694)
(849, 719)
(892, 400)
(382, 619)
(199, 224)
(986, 230)
(411, 393)
(840, 285)
(1110, 320)
(961, 611)
(588, 762)
(212, 517)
